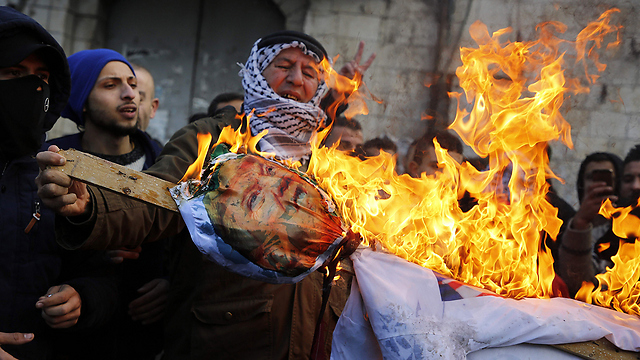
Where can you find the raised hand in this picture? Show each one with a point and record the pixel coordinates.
(352, 67)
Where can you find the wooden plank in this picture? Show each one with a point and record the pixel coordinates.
(120, 179)
(598, 350)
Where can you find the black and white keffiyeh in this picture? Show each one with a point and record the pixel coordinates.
(290, 123)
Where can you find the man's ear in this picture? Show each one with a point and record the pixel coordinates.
(154, 107)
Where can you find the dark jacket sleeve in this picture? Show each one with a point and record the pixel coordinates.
(95, 279)
(119, 221)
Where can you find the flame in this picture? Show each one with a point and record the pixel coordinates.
(619, 287)
(516, 90)
(346, 91)
(194, 170)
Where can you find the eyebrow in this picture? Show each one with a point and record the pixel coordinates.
(286, 59)
(113, 77)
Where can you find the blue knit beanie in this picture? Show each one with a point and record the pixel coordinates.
(85, 67)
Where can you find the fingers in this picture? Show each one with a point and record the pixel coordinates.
(5, 356)
(358, 56)
(57, 190)
(61, 306)
(356, 60)
(150, 311)
(15, 338)
(50, 158)
(150, 291)
(368, 63)
(60, 193)
(151, 305)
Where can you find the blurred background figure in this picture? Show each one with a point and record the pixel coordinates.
(226, 99)
(578, 256)
(148, 101)
(630, 184)
(424, 157)
(372, 147)
(348, 132)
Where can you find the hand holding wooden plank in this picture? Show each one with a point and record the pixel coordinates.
(105, 174)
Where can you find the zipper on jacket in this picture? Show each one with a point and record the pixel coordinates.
(35, 217)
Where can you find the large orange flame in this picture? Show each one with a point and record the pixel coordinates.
(516, 90)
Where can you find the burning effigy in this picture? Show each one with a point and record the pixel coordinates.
(261, 219)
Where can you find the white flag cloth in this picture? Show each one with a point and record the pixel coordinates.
(399, 310)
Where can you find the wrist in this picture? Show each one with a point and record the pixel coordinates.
(578, 223)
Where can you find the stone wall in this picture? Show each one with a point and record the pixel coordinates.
(606, 119)
(405, 34)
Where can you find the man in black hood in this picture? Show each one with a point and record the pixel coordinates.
(40, 286)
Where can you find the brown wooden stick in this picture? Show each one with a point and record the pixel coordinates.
(105, 174)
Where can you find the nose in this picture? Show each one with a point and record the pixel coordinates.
(635, 185)
(295, 75)
(128, 92)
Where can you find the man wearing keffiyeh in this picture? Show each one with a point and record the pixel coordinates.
(283, 86)
(212, 312)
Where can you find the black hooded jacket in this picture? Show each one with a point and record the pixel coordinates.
(31, 262)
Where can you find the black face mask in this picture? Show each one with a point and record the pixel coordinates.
(22, 111)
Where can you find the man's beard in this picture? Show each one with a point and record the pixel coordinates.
(100, 119)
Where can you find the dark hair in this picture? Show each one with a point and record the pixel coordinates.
(197, 116)
(599, 157)
(224, 97)
(632, 155)
(352, 123)
(446, 140)
(383, 143)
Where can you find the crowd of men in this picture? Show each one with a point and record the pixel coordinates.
(86, 273)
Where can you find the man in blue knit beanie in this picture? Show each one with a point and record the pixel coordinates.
(104, 102)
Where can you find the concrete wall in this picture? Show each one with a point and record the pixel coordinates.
(414, 40)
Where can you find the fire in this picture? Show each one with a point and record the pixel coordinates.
(193, 172)
(619, 287)
(346, 91)
(516, 90)
(240, 141)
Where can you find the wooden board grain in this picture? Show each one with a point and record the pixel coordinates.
(105, 174)
(598, 350)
